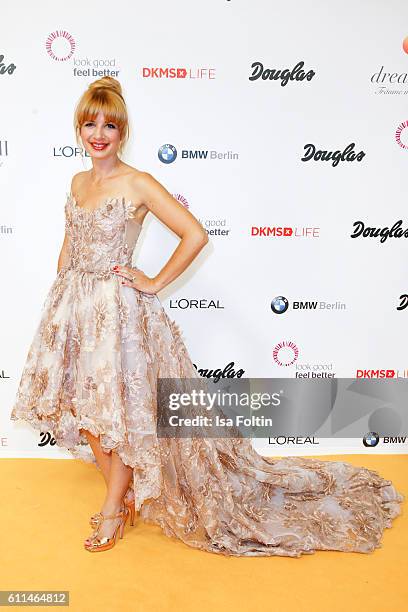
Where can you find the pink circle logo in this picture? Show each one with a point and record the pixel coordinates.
(60, 45)
(405, 44)
(180, 198)
(285, 353)
(401, 135)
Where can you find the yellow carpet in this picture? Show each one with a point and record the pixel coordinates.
(44, 515)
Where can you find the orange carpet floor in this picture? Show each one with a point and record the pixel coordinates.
(45, 508)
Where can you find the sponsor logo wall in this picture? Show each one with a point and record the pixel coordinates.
(292, 152)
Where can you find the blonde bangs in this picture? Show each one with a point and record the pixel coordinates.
(112, 105)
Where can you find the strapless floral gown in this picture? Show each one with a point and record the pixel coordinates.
(93, 364)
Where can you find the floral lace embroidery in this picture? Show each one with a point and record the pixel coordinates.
(93, 364)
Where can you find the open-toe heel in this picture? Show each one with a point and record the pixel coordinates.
(130, 506)
(97, 544)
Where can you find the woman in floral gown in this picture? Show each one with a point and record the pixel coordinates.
(91, 376)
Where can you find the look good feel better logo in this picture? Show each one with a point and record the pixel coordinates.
(60, 45)
(285, 353)
(401, 134)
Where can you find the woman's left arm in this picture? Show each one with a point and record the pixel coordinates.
(177, 218)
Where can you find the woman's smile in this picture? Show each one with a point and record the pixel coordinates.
(99, 146)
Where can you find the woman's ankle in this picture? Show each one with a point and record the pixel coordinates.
(111, 508)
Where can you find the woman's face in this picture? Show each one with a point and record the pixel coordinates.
(101, 139)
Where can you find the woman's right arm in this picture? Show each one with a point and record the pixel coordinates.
(63, 258)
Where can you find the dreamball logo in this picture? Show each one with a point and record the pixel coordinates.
(392, 80)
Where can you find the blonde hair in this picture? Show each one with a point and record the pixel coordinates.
(104, 95)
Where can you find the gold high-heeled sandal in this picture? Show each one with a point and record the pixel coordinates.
(130, 506)
(97, 544)
(129, 503)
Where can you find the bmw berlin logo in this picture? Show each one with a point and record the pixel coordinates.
(371, 439)
(167, 153)
(279, 304)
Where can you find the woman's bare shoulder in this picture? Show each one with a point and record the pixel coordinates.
(77, 180)
(134, 174)
(142, 180)
(136, 180)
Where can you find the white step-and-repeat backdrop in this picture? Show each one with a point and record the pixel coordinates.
(284, 127)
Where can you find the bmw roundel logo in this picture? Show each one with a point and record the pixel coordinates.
(279, 304)
(167, 153)
(371, 439)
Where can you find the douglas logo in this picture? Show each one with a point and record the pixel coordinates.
(374, 232)
(4, 68)
(337, 156)
(403, 301)
(271, 74)
(46, 438)
(227, 372)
